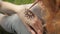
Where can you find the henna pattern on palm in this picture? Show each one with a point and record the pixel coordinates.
(29, 14)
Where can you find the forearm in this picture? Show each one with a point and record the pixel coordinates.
(7, 8)
(8, 5)
(15, 8)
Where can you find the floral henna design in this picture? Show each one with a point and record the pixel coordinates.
(29, 14)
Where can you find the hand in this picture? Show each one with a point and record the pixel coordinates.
(33, 21)
(36, 27)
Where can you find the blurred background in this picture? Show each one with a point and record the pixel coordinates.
(18, 2)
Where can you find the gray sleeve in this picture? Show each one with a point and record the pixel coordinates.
(36, 10)
(19, 26)
(12, 23)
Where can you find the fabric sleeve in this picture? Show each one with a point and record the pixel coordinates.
(13, 23)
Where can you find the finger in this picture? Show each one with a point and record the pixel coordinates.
(39, 32)
(32, 32)
(40, 26)
(37, 26)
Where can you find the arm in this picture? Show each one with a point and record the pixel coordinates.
(8, 5)
(11, 8)
(20, 11)
(33, 22)
(8, 8)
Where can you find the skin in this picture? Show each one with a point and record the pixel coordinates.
(34, 22)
